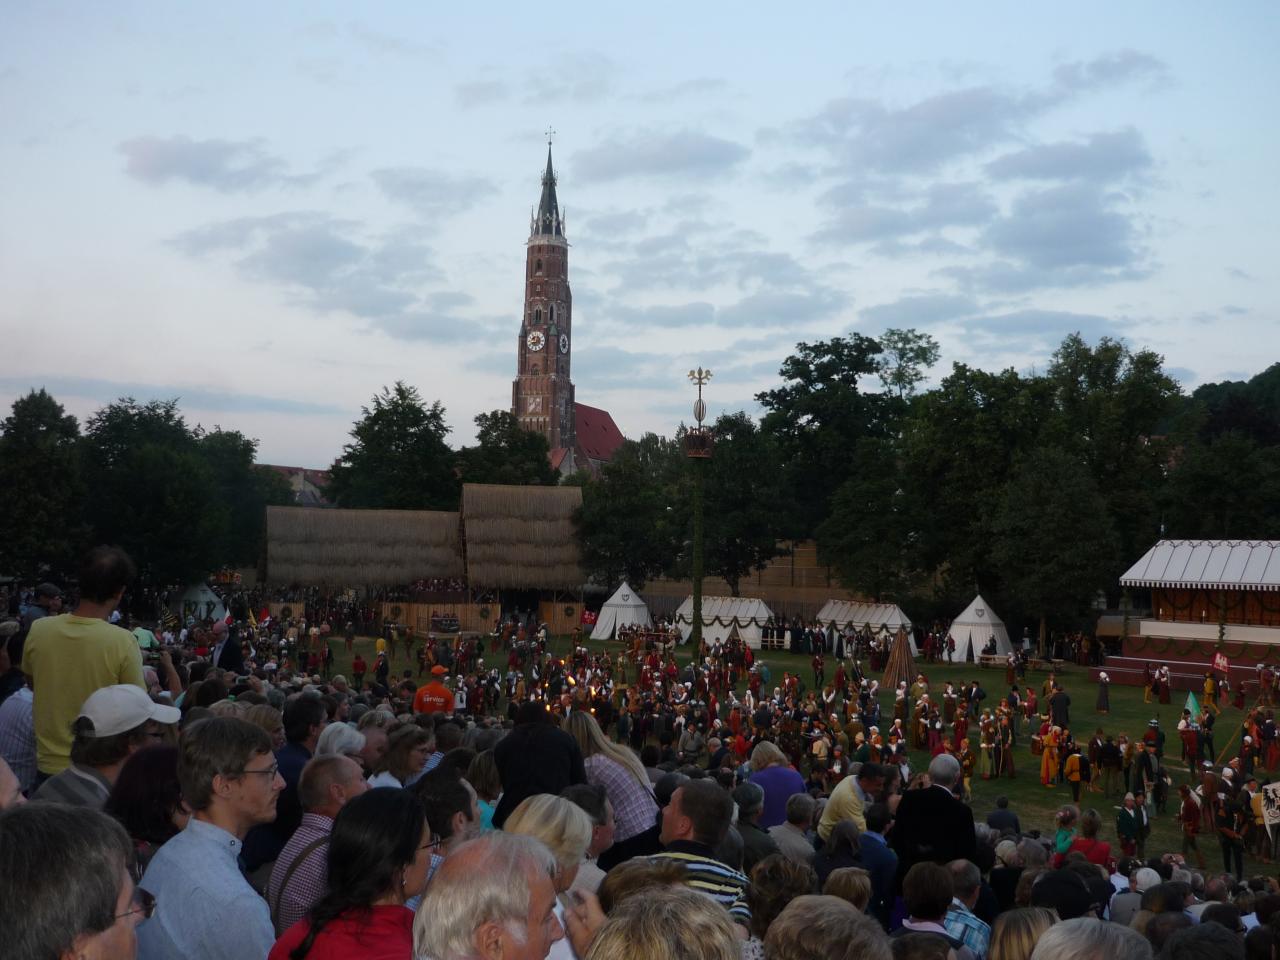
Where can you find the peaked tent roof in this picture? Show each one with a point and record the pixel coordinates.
(623, 609)
(1212, 564)
(876, 616)
(978, 624)
(720, 615)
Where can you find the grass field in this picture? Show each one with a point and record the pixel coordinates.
(1034, 803)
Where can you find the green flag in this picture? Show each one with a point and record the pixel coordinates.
(1192, 703)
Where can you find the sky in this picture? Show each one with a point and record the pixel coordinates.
(271, 211)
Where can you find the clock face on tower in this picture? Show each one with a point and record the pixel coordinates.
(536, 340)
(564, 343)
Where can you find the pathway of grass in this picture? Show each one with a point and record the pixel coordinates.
(1034, 803)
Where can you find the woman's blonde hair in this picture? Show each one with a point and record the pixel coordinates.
(228, 708)
(672, 922)
(1016, 932)
(591, 740)
(267, 717)
(633, 876)
(482, 774)
(561, 824)
(766, 754)
(849, 883)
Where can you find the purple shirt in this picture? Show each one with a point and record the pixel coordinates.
(779, 785)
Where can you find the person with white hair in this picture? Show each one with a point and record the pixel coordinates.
(340, 740)
(933, 824)
(1087, 938)
(494, 897)
(1104, 693)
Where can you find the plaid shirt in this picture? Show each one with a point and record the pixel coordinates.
(963, 925)
(634, 809)
(309, 881)
(18, 737)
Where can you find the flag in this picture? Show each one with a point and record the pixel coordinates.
(1192, 703)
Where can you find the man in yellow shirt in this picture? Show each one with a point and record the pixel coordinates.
(851, 797)
(68, 657)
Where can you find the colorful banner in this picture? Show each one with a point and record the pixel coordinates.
(1220, 662)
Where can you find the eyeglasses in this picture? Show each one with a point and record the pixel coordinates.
(435, 843)
(144, 902)
(271, 771)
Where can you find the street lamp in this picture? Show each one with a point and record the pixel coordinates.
(697, 447)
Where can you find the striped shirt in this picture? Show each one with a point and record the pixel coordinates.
(18, 737)
(708, 875)
(78, 786)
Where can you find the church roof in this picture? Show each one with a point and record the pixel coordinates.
(547, 221)
(598, 436)
(1213, 564)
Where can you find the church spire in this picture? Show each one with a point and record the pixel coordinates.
(547, 221)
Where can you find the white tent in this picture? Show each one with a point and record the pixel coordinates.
(876, 617)
(623, 609)
(975, 627)
(197, 601)
(720, 615)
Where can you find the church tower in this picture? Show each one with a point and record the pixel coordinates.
(542, 394)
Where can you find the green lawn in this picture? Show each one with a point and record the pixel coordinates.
(1034, 803)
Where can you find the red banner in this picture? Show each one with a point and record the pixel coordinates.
(1221, 663)
(589, 618)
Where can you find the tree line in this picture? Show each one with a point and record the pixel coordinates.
(1036, 489)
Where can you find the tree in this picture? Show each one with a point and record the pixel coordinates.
(505, 452)
(153, 493)
(742, 490)
(867, 534)
(243, 490)
(959, 445)
(40, 476)
(397, 458)
(629, 526)
(1054, 542)
(907, 355)
(817, 417)
(1228, 488)
(1112, 405)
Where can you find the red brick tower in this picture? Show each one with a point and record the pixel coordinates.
(542, 394)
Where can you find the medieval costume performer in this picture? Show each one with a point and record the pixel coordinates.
(1104, 693)
(1049, 756)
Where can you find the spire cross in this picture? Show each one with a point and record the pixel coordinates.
(550, 136)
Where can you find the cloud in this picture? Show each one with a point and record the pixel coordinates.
(432, 193)
(477, 93)
(1235, 273)
(940, 206)
(577, 78)
(1034, 330)
(329, 265)
(224, 165)
(683, 153)
(1110, 70)
(921, 310)
(1065, 227)
(1234, 311)
(1103, 157)
(191, 396)
(679, 92)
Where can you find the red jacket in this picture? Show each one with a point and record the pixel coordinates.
(384, 933)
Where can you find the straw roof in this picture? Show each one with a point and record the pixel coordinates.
(521, 537)
(313, 546)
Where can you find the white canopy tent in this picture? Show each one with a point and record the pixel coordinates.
(877, 617)
(720, 615)
(197, 601)
(975, 628)
(623, 609)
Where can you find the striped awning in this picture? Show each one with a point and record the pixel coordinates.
(1208, 564)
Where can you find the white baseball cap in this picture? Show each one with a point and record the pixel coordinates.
(119, 708)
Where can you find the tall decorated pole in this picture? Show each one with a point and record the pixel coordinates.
(697, 446)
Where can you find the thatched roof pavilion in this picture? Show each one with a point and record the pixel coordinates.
(346, 548)
(521, 537)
